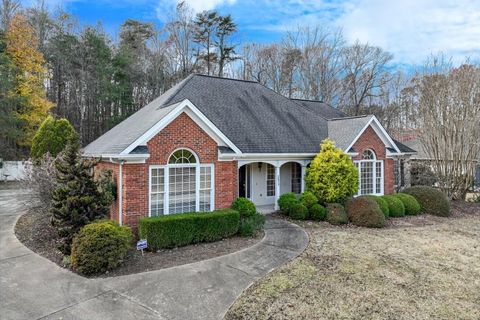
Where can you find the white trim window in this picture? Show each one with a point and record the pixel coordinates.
(370, 174)
(183, 185)
(270, 180)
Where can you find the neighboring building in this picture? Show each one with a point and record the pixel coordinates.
(209, 140)
(410, 139)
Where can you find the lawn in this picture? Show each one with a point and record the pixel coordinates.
(421, 267)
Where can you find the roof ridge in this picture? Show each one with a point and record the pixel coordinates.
(300, 99)
(351, 117)
(177, 90)
(223, 78)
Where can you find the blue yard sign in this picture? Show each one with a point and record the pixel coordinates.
(142, 244)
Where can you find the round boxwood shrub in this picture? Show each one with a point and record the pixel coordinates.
(431, 200)
(298, 211)
(365, 212)
(286, 200)
(336, 214)
(308, 199)
(395, 206)
(317, 212)
(381, 203)
(412, 207)
(245, 207)
(100, 246)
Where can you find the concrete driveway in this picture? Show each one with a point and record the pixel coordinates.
(32, 287)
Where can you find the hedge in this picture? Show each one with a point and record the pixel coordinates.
(336, 214)
(365, 212)
(250, 225)
(298, 211)
(245, 207)
(286, 200)
(317, 212)
(412, 207)
(308, 199)
(395, 206)
(381, 203)
(186, 228)
(100, 246)
(431, 200)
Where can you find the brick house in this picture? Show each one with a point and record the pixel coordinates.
(209, 140)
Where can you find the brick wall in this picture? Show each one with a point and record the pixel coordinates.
(370, 140)
(183, 132)
(114, 167)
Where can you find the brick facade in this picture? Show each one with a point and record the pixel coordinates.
(182, 132)
(370, 140)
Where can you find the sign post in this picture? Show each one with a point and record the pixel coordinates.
(142, 244)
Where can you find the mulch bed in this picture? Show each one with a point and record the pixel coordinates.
(35, 232)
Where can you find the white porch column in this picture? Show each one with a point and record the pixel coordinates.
(277, 185)
(303, 172)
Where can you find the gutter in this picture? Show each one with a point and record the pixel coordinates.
(120, 189)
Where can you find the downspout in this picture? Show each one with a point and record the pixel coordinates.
(120, 192)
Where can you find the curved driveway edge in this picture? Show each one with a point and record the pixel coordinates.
(33, 287)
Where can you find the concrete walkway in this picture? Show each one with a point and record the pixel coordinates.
(32, 287)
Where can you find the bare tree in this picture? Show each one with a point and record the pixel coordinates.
(320, 63)
(180, 29)
(365, 74)
(449, 116)
(8, 8)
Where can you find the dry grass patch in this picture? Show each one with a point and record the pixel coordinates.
(425, 269)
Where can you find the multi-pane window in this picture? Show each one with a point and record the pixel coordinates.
(296, 178)
(366, 177)
(183, 185)
(370, 174)
(157, 193)
(270, 180)
(205, 188)
(182, 189)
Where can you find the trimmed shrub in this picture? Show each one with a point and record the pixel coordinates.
(365, 212)
(286, 200)
(332, 176)
(186, 228)
(336, 214)
(100, 246)
(395, 206)
(381, 203)
(250, 225)
(412, 207)
(298, 211)
(431, 200)
(245, 207)
(308, 199)
(317, 212)
(51, 137)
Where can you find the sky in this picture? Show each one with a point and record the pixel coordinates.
(409, 29)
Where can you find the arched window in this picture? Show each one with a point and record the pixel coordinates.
(368, 155)
(370, 173)
(183, 185)
(182, 156)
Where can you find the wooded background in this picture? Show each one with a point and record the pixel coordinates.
(51, 64)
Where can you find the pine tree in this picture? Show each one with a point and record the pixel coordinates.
(78, 199)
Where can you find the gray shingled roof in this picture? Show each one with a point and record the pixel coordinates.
(321, 108)
(344, 130)
(255, 118)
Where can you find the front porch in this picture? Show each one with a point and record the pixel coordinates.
(264, 181)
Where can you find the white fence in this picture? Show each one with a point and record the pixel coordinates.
(13, 170)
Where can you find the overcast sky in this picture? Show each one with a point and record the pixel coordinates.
(410, 29)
